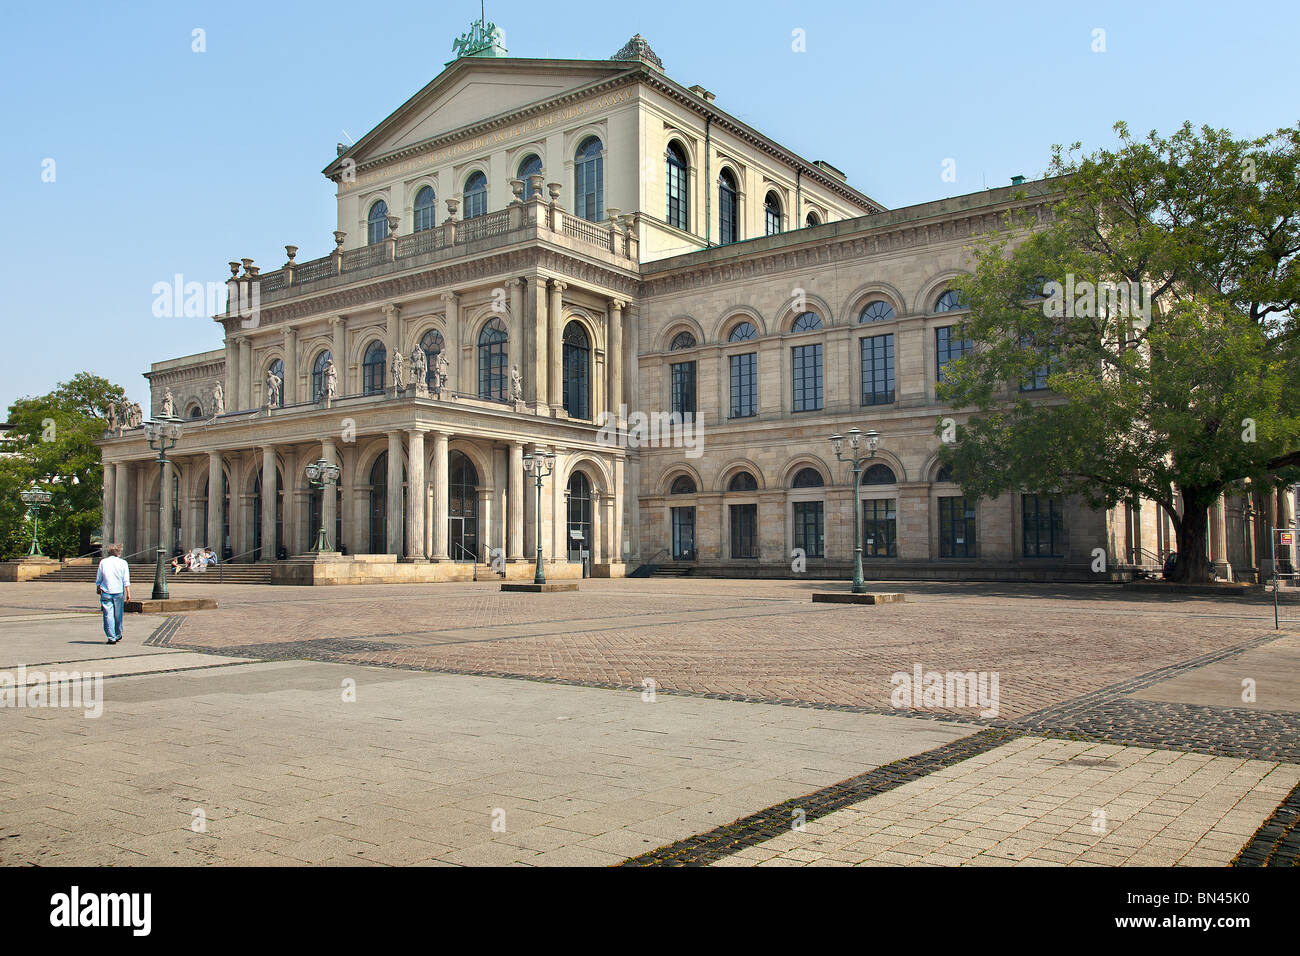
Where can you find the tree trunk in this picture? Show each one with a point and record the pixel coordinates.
(1192, 531)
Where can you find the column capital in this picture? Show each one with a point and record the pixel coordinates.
(420, 430)
(618, 305)
(511, 283)
(557, 285)
(450, 296)
(337, 320)
(390, 308)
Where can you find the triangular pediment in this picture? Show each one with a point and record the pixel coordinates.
(471, 91)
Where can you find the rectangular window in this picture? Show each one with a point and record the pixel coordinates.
(879, 528)
(956, 528)
(744, 385)
(677, 196)
(683, 534)
(948, 347)
(806, 361)
(809, 528)
(1044, 526)
(744, 531)
(878, 370)
(684, 388)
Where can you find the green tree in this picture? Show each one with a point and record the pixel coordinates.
(53, 441)
(1176, 393)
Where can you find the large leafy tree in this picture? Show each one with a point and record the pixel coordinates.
(53, 445)
(1176, 403)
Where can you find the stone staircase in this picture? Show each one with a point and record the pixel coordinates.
(142, 575)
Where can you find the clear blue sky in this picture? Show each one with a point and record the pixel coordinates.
(169, 161)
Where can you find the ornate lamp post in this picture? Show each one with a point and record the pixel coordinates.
(539, 464)
(856, 439)
(161, 436)
(322, 474)
(35, 498)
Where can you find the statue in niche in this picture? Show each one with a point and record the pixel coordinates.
(331, 379)
(419, 371)
(272, 390)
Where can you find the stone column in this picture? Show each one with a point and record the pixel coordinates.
(415, 494)
(616, 523)
(533, 346)
(216, 503)
(440, 474)
(515, 501)
(1219, 539)
(484, 524)
(289, 387)
(339, 353)
(231, 385)
(122, 504)
(396, 519)
(555, 320)
(515, 288)
(1285, 519)
(597, 545)
(108, 502)
(456, 377)
(245, 394)
(268, 503)
(614, 361)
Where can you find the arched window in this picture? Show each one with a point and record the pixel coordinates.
(432, 345)
(462, 507)
(277, 369)
(743, 332)
(318, 376)
(771, 214)
(682, 485)
(530, 165)
(944, 475)
(682, 340)
(196, 411)
(579, 514)
(678, 198)
(577, 371)
(806, 322)
(475, 195)
(377, 222)
(877, 311)
(949, 301)
(728, 218)
(379, 505)
(879, 475)
(812, 220)
(372, 368)
(808, 478)
(589, 180)
(742, 481)
(492, 358)
(425, 211)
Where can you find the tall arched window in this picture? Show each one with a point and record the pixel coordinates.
(379, 505)
(577, 371)
(678, 199)
(432, 344)
(812, 220)
(277, 369)
(377, 222)
(475, 195)
(728, 218)
(530, 165)
(425, 211)
(372, 368)
(589, 180)
(771, 215)
(492, 358)
(579, 515)
(318, 375)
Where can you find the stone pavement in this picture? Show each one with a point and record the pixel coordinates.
(1123, 704)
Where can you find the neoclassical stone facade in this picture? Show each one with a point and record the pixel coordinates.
(577, 243)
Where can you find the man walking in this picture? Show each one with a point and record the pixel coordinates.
(113, 585)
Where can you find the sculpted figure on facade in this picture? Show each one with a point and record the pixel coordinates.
(399, 371)
(516, 384)
(420, 371)
(331, 379)
(168, 404)
(111, 412)
(137, 415)
(272, 389)
(440, 369)
(218, 400)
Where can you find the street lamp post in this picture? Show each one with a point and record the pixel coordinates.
(540, 463)
(161, 436)
(35, 498)
(322, 474)
(856, 439)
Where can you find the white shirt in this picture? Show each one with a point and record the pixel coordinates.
(114, 575)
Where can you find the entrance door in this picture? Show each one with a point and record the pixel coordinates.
(462, 508)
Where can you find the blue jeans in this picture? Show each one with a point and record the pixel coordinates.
(112, 606)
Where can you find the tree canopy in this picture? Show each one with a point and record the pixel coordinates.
(1157, 305)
